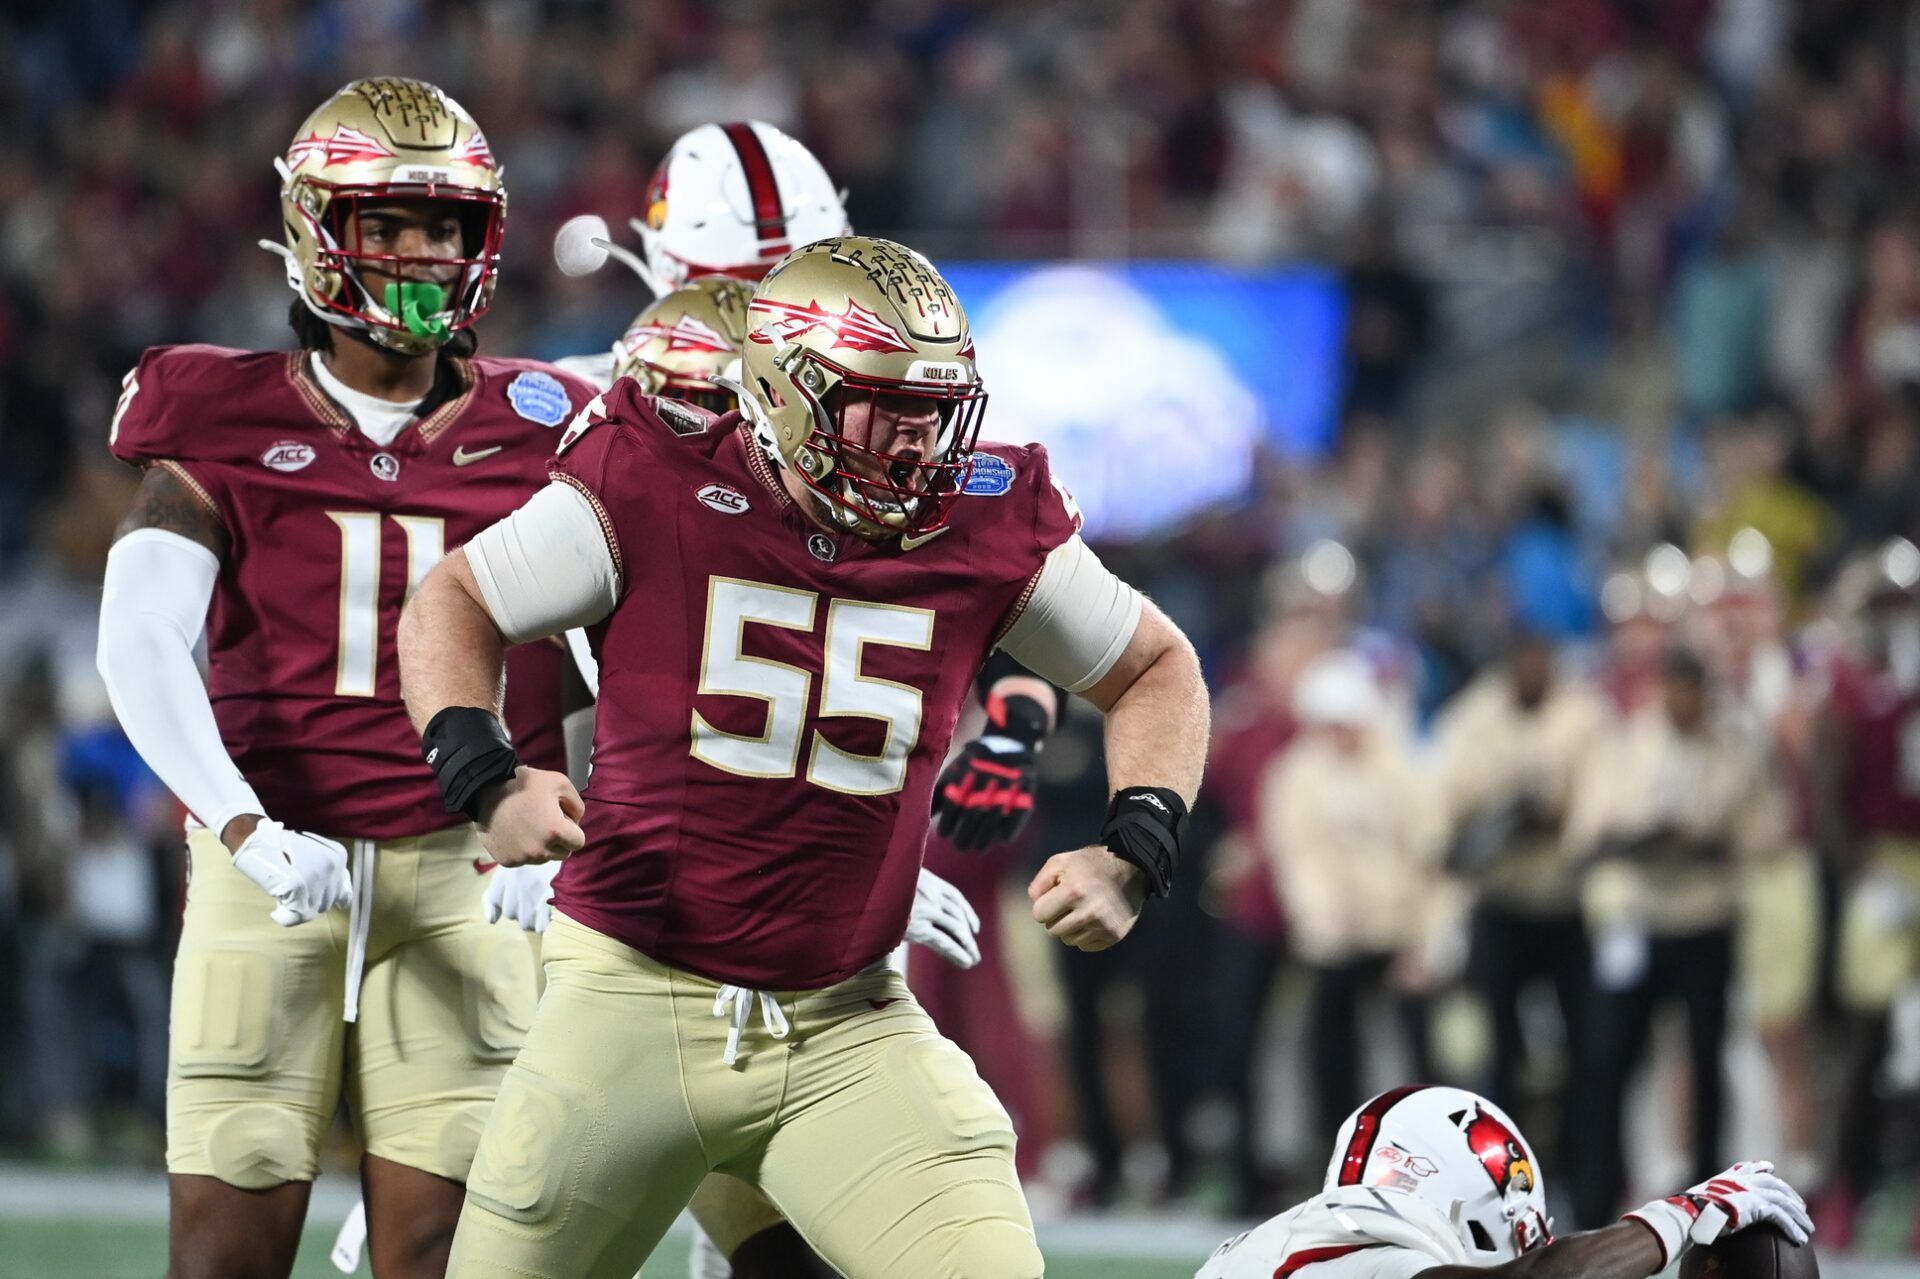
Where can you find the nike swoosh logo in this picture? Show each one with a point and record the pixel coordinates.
(481, 865)
(463, 458)
(909, 540)
(881, 1005)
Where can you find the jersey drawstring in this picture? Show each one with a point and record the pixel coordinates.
(359, 923)
(736, 1003)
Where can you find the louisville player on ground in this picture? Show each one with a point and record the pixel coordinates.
(1439, 1182)
(300, 496)
(774, 706)
(672, 349)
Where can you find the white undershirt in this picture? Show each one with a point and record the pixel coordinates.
(379, 420)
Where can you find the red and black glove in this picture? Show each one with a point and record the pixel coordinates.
(985, 796)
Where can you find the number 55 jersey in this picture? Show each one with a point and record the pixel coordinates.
(330, 532)
(776, 699)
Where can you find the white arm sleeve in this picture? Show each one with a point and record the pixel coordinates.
(158, 587)
(1077, 622)
(545, 568)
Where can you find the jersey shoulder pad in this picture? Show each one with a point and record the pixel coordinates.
(544, 396)
(1012, 507)
(191, 403)
(621, 436)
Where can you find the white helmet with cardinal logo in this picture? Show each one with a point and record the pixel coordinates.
(1457, 1152)
(733, 199)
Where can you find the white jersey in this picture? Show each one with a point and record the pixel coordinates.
(1355, 1232)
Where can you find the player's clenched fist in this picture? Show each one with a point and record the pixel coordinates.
(534, 817)
(1088, 898)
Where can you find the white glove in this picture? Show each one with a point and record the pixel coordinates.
(1743, 1195)
(523, 894)
(306, 874)
(943, 922)
(1888, 901)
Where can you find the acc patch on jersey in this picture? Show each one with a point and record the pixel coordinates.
(991, 476)
(539, 397)
(287, 455)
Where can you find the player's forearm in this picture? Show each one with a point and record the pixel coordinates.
(158, 585)
(1624, 1250)
(1157, 711)
(451, 653)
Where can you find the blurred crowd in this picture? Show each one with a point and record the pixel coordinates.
(1579, 664)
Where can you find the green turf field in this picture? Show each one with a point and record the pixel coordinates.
(44, 1249)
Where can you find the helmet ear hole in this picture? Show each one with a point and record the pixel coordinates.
(1481, 1239)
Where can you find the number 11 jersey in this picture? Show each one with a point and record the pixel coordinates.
(329, 534)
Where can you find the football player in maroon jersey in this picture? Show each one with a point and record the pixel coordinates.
(775, 703)
(333, 936)
(674, 348)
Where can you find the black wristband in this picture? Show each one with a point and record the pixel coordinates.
(1020, 717)
(1145, 825)
(468, 750)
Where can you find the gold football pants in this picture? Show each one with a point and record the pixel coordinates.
(872, 1134)
(259, 1055)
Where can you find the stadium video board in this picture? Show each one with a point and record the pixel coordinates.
(1153, 383)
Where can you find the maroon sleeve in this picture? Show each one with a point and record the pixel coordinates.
(167, 415)
(1056, 516)
(606, 455)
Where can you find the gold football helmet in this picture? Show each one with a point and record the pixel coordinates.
(383, 140)
(859, 321)
(675, 346)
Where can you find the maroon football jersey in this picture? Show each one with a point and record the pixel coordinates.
(1882, 726)
(330, 533)
(776, 700)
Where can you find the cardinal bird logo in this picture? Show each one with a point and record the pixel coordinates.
(1498, 1148)
(345, 146)
(684, 334)
(854, 329)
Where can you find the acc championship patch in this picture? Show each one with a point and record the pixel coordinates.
(539, 397)
(991, 476)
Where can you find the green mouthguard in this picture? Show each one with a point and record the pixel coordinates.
(418, 304)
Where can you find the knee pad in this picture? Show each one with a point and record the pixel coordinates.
(260, 1145)
(520, 1166)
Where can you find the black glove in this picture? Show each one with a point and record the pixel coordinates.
(985, 796)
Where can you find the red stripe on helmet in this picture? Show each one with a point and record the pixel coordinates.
(769, 218)
(1354, 1162)
(1300, 1260)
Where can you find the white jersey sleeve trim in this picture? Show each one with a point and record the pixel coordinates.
(152, 611)
(1077, 622)
(546, 568)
